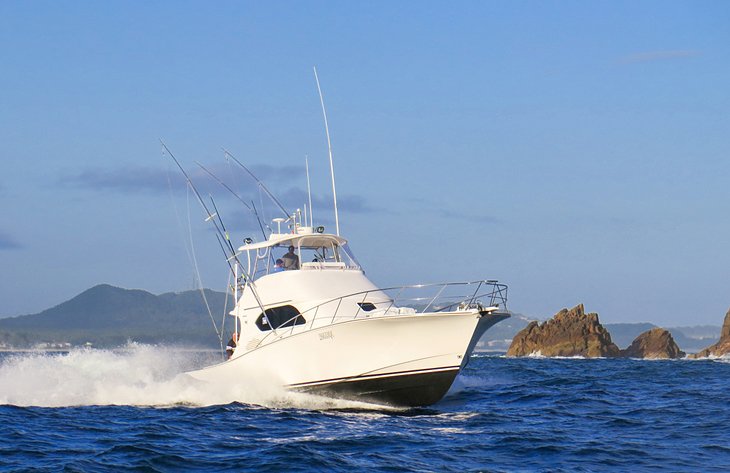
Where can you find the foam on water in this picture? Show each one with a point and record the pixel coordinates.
(138, 375)
(538, 355)
(719, 359)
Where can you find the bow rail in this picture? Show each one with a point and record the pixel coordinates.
(399, 300)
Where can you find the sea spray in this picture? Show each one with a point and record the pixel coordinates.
(140, 375)
(135, 375)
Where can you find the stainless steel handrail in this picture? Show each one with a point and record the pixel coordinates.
(497, 296)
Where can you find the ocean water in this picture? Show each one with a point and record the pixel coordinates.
(96, 410)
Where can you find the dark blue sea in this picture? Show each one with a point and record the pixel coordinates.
(96, 410)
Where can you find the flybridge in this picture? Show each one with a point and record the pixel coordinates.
(314, 251)
(312, 248)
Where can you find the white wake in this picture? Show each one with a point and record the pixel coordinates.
(138, 375)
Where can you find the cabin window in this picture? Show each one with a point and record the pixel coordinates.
(284, 316)
(366, 306)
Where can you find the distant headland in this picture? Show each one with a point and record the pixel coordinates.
(107, 316)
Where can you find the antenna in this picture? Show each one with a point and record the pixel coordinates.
(309, 192)
(329, 146)
(278, 221)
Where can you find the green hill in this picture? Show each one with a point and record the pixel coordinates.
(110, 316)
(622, 334)
(689, 339)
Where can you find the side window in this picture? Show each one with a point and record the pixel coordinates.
(284, 316)
(366, 306)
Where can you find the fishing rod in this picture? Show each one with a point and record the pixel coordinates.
(251, 209)
(210, 217)
(209, 214)
(228, 260)
(220, 220)
(220, 234)
(194, 261)
(245, 275)
(260, 183)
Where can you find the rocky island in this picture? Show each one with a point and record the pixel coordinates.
(722, 347)
(569, 333)
(576, 333)
(656, 343)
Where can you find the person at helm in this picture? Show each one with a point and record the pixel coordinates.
(291, 260)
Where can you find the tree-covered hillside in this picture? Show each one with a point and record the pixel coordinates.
(110, 316)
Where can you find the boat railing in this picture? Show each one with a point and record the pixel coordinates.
(402, 300)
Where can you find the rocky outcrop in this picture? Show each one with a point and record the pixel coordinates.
(722, 347)
(656, 343)
(569, 333)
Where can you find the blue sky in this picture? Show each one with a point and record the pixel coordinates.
(577, 151)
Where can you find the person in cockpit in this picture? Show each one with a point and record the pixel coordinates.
(291, 260)
(231, 346)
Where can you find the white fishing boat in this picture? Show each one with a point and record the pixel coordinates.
(310, 319)
(322, 326)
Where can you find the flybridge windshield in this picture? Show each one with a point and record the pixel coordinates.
(304, 254)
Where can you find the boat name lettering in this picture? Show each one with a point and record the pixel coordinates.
(326, 335)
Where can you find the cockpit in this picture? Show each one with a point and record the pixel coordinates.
(296, 252)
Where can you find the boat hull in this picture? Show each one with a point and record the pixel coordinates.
(395, 360)
(406, 389)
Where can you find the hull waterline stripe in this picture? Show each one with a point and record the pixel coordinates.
(374, 376)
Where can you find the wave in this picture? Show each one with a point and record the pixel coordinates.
(138, 375)
(538, 355)
(487, 354)
(719, 359)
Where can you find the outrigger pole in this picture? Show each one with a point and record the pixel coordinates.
(259, 182)
(225, 231)
(329, 147)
